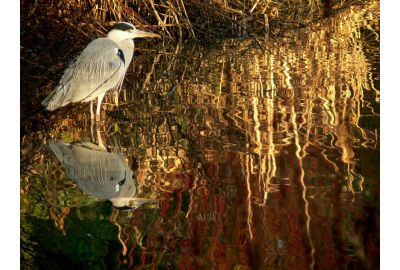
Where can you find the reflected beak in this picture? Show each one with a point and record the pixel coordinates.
(140, 33)
(129, 202)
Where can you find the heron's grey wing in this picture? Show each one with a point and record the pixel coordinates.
(99, 173)
(60, 149)
(97, 69)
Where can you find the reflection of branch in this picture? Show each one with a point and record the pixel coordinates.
(148, 74)
(113, 219)
(249, 207)
(271, 150)
(300, 153)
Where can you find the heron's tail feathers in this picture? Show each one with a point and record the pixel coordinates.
(56, 99)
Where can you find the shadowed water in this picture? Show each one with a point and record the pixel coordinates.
(236, 154)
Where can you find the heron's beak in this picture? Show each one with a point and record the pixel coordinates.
(140, 33)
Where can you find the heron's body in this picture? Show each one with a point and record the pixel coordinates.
(99, 68)
(102, 174)
(96, 171)
(104, 70)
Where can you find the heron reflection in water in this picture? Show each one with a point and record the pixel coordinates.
(102, 174)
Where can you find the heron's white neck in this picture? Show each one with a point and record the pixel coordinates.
(118, 35)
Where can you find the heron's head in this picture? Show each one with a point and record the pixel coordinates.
(124, 30)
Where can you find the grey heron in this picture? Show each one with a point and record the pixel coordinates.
(100, 67)
(102, 174)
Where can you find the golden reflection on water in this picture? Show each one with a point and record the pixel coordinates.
(253, 147)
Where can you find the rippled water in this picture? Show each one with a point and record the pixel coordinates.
(236, 154)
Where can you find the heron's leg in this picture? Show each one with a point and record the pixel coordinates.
(99, 100)
(91, 119)
(99, 140)
(91, 110)
(92, 129)
(116, 96)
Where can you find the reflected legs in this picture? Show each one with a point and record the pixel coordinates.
(99, 140)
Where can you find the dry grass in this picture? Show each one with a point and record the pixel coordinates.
(178, 19)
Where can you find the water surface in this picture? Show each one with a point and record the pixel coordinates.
(236, 154)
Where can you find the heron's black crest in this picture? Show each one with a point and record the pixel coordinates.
(124, 26)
